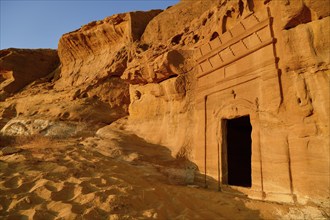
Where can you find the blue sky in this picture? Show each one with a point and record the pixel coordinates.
(41, 23)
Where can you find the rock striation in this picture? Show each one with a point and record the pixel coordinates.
(200, 75)
(101, 48)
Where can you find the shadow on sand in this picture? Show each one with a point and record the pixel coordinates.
(230, 204)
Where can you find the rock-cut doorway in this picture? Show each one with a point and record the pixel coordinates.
(238, 144)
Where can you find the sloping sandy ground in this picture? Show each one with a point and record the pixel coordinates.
(117, 176)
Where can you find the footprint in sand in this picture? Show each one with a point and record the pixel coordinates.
(43, 192)
(45, 214)
(44, 188)
(14, 182)
(78, 208)
(67, 193)
(62, 209)
(54, 186)
(88, 188)
(25, 203)
(25, 187)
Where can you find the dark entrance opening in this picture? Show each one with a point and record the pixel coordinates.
(239, 151)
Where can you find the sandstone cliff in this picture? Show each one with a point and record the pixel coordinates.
(167, 111)
(180, 74)
(100, 48)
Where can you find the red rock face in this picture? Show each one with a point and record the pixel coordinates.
(19, 67)
(100, 48)
(265, 59)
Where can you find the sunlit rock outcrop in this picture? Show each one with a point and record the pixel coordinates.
(239, 87)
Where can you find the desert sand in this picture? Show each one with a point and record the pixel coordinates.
(118, 176)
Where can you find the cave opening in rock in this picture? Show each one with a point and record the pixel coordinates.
(239, 151)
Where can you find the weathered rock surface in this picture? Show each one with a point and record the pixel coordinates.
(294, 94)
(94, 57)
(177, 78)
(20, 67)
(100, 48)
(30, 127)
